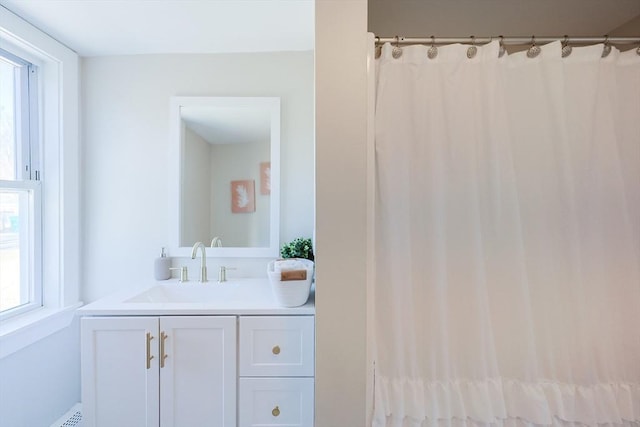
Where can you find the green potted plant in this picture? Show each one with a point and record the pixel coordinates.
(293, 289)
(298, 248)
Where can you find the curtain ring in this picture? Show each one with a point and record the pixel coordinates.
(533, 50)
(503, 49)
(472, 50)
(397, 50)
(433, 50)
(606, 49)
(566, 49)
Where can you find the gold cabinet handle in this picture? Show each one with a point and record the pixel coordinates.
(276, 350)
(149, 355)
(163, 355)
(275, 412)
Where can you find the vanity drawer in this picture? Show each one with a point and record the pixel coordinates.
(276, 346)
(274, 402)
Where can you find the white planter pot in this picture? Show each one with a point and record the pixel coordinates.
(290, 293)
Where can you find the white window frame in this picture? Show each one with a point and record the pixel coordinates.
(60, 192)
(30, 247)
(27, 180)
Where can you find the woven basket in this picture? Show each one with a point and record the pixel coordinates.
(290, 293)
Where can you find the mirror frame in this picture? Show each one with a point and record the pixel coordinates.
(176, 145)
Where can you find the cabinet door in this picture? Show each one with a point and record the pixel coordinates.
(198, 371)
(120, 372)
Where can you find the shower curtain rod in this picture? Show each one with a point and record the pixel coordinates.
(510, 40)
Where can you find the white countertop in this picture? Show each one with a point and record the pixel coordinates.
(169, 297)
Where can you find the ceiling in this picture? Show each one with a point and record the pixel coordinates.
(128, 27)
(462, 18)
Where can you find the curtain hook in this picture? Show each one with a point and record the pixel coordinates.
(433, 50)
(533, 50)
(472, 50)
(503, 49)
(566, 49)
(606, 49)
(397, 50)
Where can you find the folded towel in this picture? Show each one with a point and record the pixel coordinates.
(288, 265)
(293, 275)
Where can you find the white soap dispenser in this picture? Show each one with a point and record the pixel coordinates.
(161, 267)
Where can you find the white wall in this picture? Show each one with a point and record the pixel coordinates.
(341, 202)
(41, 382)
(125, 141)
(462, 18)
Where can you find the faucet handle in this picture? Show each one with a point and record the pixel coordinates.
(184, 273)
(222, 273)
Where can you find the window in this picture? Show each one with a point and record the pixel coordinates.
(39, 185)
(20, 194)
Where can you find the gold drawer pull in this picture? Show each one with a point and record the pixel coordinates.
(276, 350)
(275, 412)
(149, 355)
(163, 355)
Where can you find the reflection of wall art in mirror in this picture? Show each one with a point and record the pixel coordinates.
(243, 199)
(265, 178)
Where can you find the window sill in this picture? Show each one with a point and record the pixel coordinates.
(19, 332)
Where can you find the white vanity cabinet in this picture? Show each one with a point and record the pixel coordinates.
(183, 371)
(194, 355)
(168, 371)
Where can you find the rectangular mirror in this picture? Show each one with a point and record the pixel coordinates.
(225, 176)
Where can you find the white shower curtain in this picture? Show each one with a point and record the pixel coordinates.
(507, 282)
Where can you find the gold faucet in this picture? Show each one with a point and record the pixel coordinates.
(203, 264)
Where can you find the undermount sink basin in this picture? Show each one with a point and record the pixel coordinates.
(193, 293)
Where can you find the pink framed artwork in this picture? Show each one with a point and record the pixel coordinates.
(243, 196)
(265, 178)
